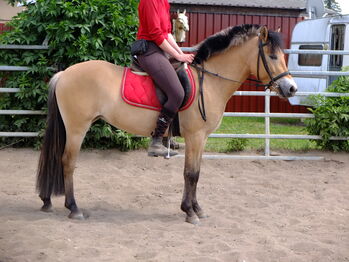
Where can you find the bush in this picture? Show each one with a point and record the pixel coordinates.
(331, 117)
(76, 31)
(236, 144)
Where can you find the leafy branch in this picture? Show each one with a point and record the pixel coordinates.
(76, 30)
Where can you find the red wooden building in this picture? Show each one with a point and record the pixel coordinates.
(207, 17)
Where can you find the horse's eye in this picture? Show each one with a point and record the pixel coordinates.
(274, 57)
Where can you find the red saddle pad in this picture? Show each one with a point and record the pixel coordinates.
(138, 90)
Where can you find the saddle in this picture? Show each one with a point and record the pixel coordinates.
(138, 89)
(183, 77)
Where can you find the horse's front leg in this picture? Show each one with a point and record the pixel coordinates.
(194, 146)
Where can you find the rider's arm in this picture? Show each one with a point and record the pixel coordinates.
(173, 43)
(150, 21)
(168, 48)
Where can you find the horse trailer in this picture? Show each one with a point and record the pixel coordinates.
(328, 33)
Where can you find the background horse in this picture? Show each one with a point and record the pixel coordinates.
(89, 91)
(180, 26)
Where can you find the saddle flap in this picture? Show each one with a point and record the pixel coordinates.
(140, 90)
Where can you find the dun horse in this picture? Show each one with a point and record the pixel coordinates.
(88, 91)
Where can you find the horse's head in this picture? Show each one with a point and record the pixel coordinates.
(181, 22)
(271, 67)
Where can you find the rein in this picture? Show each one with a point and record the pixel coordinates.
(203, 70)
(261, 55)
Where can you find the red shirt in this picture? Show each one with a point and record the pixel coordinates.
(154, 20)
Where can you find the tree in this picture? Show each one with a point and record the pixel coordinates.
(333, 5)
(76, 31)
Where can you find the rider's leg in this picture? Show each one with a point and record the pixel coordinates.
(156, 147)
(156, 64)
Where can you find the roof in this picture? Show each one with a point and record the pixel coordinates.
(280, 4)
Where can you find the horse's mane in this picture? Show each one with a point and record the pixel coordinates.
(233, 36)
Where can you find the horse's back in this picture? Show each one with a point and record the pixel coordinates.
(91, 90)
(95, 73)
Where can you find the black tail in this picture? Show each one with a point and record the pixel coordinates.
(50, 177)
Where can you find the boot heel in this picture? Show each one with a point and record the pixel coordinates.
(152, 154)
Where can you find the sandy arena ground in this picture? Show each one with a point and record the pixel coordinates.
(258, 211)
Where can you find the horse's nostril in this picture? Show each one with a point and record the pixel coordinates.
(293, 89)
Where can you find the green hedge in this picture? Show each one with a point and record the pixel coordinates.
(331, 117)
(76, 31)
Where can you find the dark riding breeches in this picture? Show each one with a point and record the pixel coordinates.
(157, 65)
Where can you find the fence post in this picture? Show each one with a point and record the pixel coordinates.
(267, 122)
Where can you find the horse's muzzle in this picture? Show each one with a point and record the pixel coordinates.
(287, 87)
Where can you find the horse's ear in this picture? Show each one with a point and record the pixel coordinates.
(263, 33)
(184, 11)
(278, 30)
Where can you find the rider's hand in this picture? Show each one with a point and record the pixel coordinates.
(187, 58)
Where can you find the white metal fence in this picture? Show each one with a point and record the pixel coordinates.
(267, 135)
(267, 115)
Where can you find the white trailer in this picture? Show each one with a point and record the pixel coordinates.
(328, 33)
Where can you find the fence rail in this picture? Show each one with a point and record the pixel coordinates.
(21, 68)
(318, 73)
(22, 112)
(267, 114)
(24, 47)
(19, 134)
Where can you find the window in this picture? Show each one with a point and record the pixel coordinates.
(337, 43)
(310, 59)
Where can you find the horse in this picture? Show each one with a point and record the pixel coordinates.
(88, 91)
(180, 25)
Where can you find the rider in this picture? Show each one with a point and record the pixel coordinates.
(155, 27)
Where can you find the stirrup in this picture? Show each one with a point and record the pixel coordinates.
(158, 149)
(173, 143)
(166, 154)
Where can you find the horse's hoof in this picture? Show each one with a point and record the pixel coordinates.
(201, 215)
(192, 220)
(77, 215)
(47, 208)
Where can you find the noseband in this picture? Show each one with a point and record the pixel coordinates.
(261, 55)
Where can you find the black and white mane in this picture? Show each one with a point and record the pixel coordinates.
(233, 36)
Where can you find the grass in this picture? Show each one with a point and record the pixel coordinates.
(255, 125)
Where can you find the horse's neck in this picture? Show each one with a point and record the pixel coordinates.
(232, 65)
(180, 35)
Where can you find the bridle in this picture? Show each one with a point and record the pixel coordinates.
(261, 55)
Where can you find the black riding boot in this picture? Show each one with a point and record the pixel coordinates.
(156, 147)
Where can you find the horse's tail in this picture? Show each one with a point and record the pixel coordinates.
(50, 177)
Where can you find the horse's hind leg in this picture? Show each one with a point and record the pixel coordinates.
(194, 146)
(70, 155)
